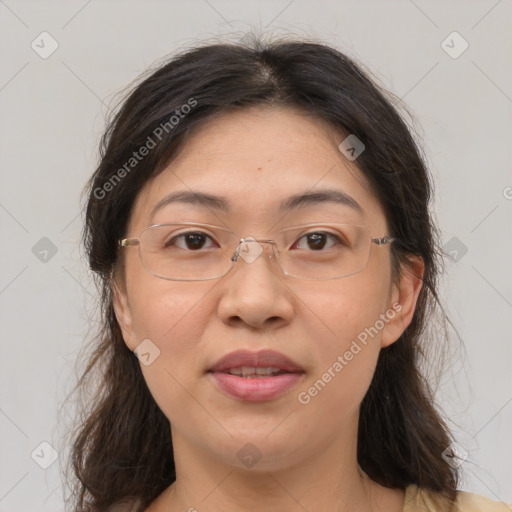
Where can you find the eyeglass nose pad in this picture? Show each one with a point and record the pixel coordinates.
(237, 251)
(249, 249)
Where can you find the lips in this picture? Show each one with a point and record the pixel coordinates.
(255, 376)
(246, 363)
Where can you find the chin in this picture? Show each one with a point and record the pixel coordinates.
(256, 450)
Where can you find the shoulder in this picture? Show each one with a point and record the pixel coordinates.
(467, 501)
(423, 500)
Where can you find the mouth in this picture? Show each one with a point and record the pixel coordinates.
(255, 376)
(247, 363)
(255, 372)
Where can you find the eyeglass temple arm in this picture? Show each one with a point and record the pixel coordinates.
(383, 240)
(128, 242)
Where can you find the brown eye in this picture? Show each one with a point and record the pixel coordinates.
(192, 240)
(316, 241)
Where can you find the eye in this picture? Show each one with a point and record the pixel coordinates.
(192, 240)
(317, 241)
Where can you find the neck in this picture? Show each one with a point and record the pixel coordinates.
(330, 479)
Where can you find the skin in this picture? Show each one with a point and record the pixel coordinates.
(309, 458)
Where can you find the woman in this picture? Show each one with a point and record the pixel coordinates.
(260, 228)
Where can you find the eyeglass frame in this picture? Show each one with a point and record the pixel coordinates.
(132, 242)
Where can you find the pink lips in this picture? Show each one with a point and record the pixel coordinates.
(258, 388)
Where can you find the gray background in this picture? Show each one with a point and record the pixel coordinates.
(53, 114)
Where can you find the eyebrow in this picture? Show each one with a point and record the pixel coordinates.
(195, 198)
(328, 195)
(301, 200)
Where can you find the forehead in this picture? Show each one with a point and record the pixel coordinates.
(256, 159)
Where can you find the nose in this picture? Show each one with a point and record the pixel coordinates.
(254, 293)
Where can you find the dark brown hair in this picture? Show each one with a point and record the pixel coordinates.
(401, 435)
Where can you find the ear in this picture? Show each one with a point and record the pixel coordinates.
(123, 312)
(403, 298)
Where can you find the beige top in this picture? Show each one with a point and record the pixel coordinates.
(421, 500)
(416, 500)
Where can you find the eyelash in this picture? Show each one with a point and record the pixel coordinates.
(334, 237)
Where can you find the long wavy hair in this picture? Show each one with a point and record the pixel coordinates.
(401, 435)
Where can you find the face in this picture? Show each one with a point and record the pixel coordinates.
(255, 159)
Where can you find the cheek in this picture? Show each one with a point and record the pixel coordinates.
(345, 308)
(173, 316)
(159, 307)
(346, 352)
